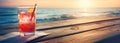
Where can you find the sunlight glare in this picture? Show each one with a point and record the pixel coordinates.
(85, 3)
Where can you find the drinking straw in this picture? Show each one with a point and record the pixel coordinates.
(33, 11)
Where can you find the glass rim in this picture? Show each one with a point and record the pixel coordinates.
(26, 6)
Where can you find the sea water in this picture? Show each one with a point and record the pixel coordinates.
(9, 16)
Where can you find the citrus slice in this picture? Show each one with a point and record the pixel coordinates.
(30, 10)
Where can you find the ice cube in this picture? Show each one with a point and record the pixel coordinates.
(22, 12)
(25, 20)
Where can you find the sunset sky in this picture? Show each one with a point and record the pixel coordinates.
(62, 3)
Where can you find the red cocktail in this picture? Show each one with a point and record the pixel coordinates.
(27, 21)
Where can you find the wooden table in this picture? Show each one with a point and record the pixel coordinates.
(81, 30)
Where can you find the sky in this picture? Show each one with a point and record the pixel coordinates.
(62, 3)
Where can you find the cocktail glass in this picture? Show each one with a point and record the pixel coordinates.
(26, 20)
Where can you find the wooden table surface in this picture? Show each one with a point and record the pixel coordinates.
(82, 30)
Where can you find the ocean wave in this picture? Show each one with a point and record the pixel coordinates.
(9, 15)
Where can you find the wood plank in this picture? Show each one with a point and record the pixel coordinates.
(87, 37)
(14, 37)
(85, 27)
(81, 28)
(60, 32)
(74, 21)
(58, 24)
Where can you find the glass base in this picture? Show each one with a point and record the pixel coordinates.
(27, 33)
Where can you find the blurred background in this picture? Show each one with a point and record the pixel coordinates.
(55, 10)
